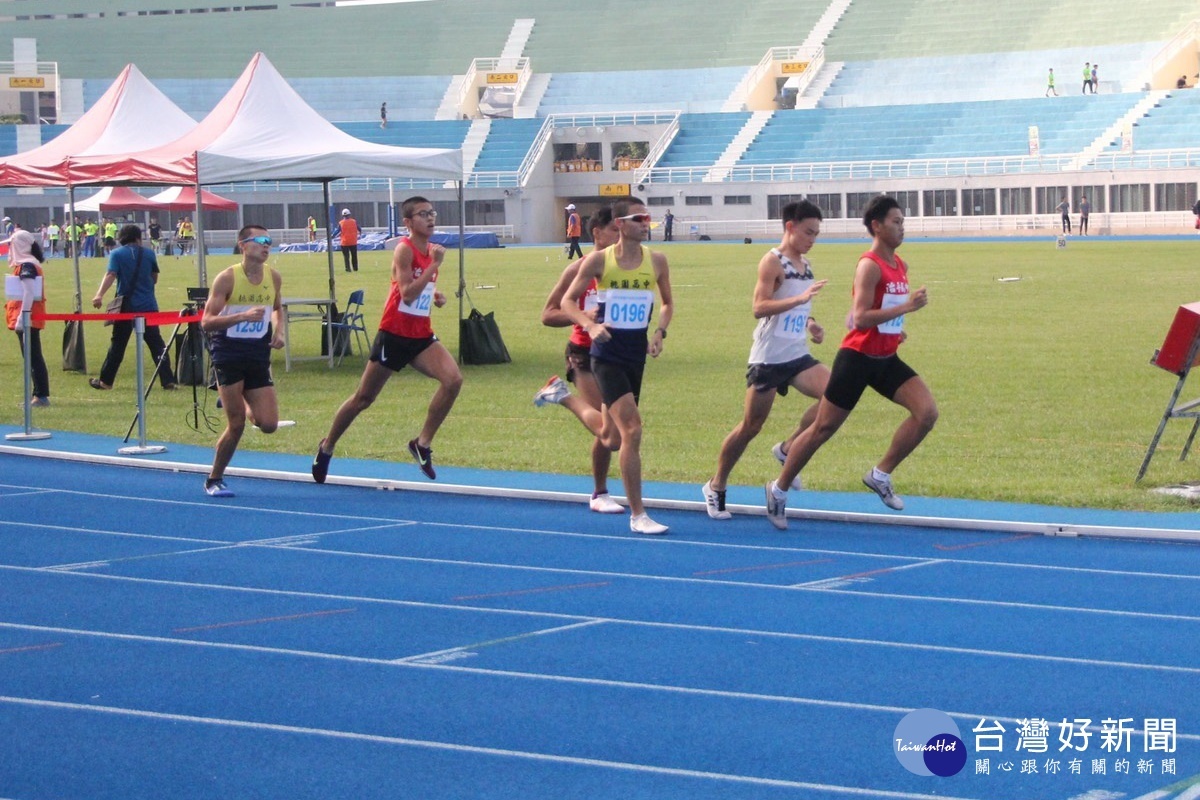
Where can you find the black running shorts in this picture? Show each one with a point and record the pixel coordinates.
(853, 372)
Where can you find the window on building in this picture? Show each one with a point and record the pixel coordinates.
(1018, 200)
(1174, 196)
(1095, 196)
(737, 200)
(698, 200)
(979, 202)
(1130, 197)
(941, 202)
(1047, 198)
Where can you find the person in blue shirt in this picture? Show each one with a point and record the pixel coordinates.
(134, 269)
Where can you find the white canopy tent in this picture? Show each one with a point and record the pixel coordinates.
(263, 130)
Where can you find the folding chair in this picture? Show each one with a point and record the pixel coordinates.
(351, 329)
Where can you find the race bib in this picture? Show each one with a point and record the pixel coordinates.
(421, 306)
(794, 323)
(894, 327)
(249, 330)
(628, 309)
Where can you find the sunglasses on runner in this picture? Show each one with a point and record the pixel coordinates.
(258, 240)
(636, 217)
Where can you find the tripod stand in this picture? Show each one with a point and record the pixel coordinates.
(188, 340)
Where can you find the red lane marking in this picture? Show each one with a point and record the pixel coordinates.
(516, 592)
(763, 566)
(986, 543)
(31, 648)
(237, 623)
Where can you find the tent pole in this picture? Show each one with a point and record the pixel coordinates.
(74, 247)
(74, 353)
(462, 261)
(329, 240)
(330, 319)
(199, 241)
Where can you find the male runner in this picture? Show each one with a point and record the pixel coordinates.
(586, 405)
(244, 320)
(627, 275)
(779, 357)
(405, 337)
(868, 357)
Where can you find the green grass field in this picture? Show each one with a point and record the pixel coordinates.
(1044, 386)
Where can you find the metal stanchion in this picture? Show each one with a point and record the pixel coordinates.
(29, 434)
(141, 448)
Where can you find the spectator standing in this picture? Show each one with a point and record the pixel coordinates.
(155, 234)
(185, 234)
(110, 236)
(90, 229)
(349, 228)
(135, 271)
(52, 233)
(1087, 77)
(574, 231)
(25, 257)
(669, 226)
(1095, 77)
(1050, 90)
(1085, 209)
(383, 116)
(1064, 208)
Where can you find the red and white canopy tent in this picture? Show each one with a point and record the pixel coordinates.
(263, 130)
(132, 114)
(115, 198)
(183, 198)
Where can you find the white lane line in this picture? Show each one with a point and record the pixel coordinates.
(441, 656)
(467, 749)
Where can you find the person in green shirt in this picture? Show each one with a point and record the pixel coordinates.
(90, 229)
(110, 236)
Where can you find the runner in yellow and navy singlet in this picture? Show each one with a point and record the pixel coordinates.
(243, 318)
(587, 403)
(627, 275)
(245, 341)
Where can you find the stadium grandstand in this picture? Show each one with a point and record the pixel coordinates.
(722, 112)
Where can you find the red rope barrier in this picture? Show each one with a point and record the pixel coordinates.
(152, 317)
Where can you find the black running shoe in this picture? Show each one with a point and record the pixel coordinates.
(424, 459)
(320, 465)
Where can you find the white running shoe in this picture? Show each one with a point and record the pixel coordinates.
(883, 488)
(714, 502)
(555, 391)
(604, 504)
(643, 524)
(776, 507)
(781, 457)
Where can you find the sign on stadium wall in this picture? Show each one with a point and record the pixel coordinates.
(26, 83)
(793, 67)
(495, 78)
(614, 190)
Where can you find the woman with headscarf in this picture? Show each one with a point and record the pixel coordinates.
(25, 256)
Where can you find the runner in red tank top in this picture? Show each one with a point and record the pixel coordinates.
(405, 337)
(868, 358)
(585, 405)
